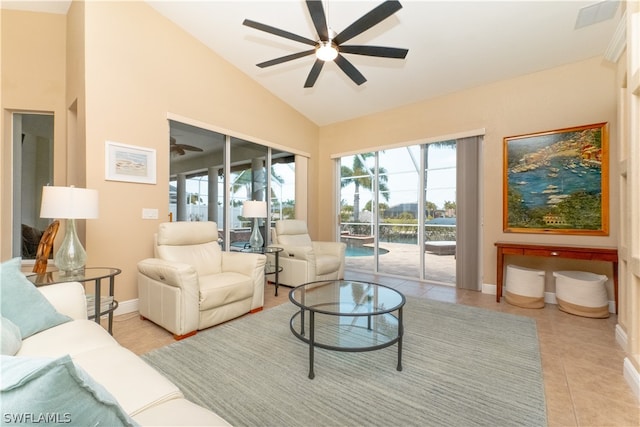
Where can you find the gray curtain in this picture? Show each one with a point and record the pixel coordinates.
(468, 213)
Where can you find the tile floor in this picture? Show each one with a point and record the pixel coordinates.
(582, 363)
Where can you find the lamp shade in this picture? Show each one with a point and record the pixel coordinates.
(254, 209)
(69, 203)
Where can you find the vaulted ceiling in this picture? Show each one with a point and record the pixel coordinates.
(453, 45)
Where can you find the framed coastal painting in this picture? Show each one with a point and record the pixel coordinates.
(129, 163)
(557, 182)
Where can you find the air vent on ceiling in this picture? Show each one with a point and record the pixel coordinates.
(597, 12)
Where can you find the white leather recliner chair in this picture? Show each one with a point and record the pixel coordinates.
(303, 260)
(191, 284)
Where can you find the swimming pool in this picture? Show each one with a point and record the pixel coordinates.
(363, 251)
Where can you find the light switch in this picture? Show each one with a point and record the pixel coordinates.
(148, 213)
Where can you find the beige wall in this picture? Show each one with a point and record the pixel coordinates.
(576, 94)
(129, 68)
(138, 68)
(33, 79)
(75, 100)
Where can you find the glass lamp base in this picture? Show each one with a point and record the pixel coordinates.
(256, 241)
(71, 256)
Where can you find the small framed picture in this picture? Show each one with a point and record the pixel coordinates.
(557, 182)
(129, 163)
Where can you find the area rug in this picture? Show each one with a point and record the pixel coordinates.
(462, 366)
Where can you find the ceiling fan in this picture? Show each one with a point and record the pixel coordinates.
(330, 46)
(180, 149)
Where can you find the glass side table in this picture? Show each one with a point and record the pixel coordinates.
(103, 305)
(269, 269)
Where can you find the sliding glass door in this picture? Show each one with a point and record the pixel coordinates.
(357, 177)
(440, 231)
(212, 175)
(398, 210)
(399, 213)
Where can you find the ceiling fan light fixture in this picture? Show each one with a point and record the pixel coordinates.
(329, 45)
(326, 51)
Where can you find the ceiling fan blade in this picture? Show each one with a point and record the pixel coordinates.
(278, 32)
(350, 70)
(314, 73)
(375, 16)
(381, 51)
(189, 147)
(319, 19)
(286, 58)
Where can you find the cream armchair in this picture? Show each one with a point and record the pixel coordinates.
(303, 260)
(191, 284)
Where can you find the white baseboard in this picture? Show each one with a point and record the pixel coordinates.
(621, 337)
(612, 306)
(126, 307)
(488, 288)
(550, 298)
(632, 376)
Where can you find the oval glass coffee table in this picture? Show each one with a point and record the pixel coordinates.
(347, 315)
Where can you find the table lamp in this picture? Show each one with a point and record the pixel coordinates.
(69, 203)
(255, 209)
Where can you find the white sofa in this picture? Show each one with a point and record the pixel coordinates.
(143, 393)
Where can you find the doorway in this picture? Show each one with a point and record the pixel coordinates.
(33, 169)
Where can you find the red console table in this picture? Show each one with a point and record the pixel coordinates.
(573, 252)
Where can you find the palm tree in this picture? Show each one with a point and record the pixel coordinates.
(244, 179)
(363, 177)
(449, 205)
(431, 209)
